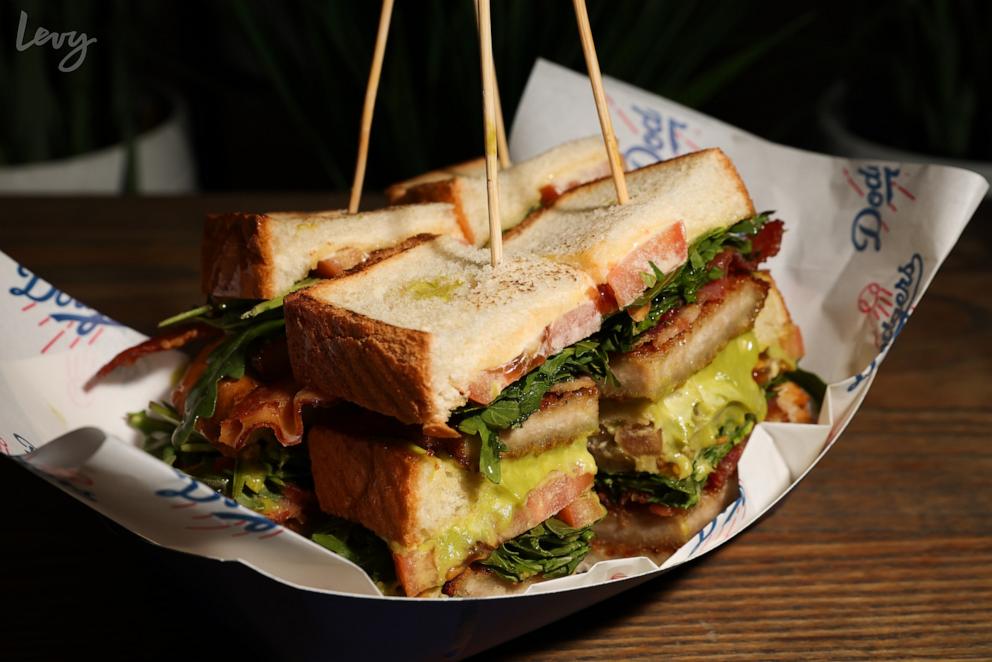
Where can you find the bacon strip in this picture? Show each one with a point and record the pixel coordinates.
(247, 405)
(172, 339)
(276, 407)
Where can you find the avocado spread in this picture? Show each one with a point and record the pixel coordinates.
(691, 418)
(496, 505)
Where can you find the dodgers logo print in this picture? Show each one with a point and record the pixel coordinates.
(878, 186)
(69, 315)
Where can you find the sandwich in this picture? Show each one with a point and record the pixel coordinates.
(523, 187)
(410, 342)
(236, 419)
(370, 381)
(696, 359)
(260, 256)
(463, 355)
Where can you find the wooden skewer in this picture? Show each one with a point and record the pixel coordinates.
(504, 146)
(369, 107)
(489, 114)
(596, 80)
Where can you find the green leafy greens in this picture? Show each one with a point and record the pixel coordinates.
(257, 479)
(244, 322)
(227, 361)
(590, 357)
(359, 545)
(551, 549)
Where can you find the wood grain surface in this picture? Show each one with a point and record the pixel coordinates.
(884, 550)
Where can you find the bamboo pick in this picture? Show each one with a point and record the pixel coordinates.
(489, 114)
(596, 80)
(369, 108)
(504, 146)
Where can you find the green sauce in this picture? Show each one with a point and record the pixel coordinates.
(441, 287)
(497, 505)
(690, 418)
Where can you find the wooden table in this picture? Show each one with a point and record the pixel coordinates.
(885, 550)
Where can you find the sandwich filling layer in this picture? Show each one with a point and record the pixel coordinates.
(672, 434)
(664, 451)
(497, 510)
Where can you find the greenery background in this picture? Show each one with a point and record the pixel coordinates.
(274, 88)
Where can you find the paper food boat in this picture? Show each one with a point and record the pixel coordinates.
(863, 241)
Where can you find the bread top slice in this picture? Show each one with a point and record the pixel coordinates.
(523, 185)
(411, 336)
(702, 189)
(260, 256)
(585, 227)
(473, 168)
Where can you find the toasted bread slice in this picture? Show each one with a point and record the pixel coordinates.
(672, 203)
(636, 531)
(436, 517)
(568, 410)
(522, 186)
(671, 352)
(415, 335)
(260, 256)
(702, 189)
(774, 326)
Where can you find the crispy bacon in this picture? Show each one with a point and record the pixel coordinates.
(174, 338)
(549, 194)
(291, 508)
(726, 468)
(713, 291)
(276, 407)
(246, 405)
(768, 241)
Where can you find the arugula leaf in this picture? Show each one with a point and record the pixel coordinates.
(653, 488)
(235, 314)
(551, 549)
(186, 315)
(228, 360)
(359, 545)
(276, 302)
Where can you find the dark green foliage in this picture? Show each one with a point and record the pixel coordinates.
(549, 550)
(359, 545)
